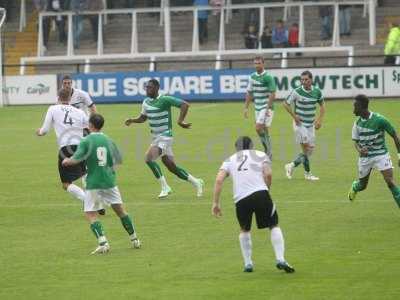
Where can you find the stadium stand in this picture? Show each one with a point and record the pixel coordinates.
(117, 39)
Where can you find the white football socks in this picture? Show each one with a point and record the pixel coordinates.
(163, 182)
(278, 243)
(193, 180)
(76, 191)
(245, 246)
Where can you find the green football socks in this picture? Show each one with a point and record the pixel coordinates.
(299, 159)
(181, 173)
(266, 142)
(127, 224)
(155, 168)
(98, 231)
(396, 194)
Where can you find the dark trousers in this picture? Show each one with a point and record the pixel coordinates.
(203, 30)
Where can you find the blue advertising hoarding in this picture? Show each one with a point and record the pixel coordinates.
(189, 85)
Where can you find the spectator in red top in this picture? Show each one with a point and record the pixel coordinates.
(294, 35)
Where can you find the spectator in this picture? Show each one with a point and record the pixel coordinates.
(251, 18)
(392, 46)
(266, 38)
(250, 38)
(59, 6)
(217, 5)
(202, 17)
(280, 35)
(42, 6)
(293, 39)
(95, 5)
(345, 19)
(325, 13)
(77, 6)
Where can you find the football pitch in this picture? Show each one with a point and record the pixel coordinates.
(340, 250)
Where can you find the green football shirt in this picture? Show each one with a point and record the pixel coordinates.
(260, 88)
(101, 154)
(305, 103)
(370, 133)
(158, 113)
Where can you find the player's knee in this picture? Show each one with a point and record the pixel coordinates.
(65, 185)
(260, 128)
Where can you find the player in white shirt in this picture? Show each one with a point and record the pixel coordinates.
(79, 99)
(68, 123)
(251, 176)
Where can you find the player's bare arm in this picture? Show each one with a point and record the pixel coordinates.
(271, 100)
(397, 143)
(267, 174)
(93, 109)
(182, 115)
(318, 121)
(69, 162)
(290, 111)
(247, 101)
(219, 181)
(140, 119)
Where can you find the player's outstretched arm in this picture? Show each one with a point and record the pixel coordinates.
(219, 181)
(397, 143)
(184, 110)
(140, 119)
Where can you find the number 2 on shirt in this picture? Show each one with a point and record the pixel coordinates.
(240, 168)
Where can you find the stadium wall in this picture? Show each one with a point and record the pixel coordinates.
(206, 85)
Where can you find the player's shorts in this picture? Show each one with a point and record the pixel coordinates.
(259, 203)
(165, 144)
(304, 135)
(97, 199)
(261, 118)
(380, 162)
(71, 173)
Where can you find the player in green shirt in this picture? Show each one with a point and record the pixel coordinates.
(261, 89)
(369, 140)
(101, 156)
(301, 104)
(156, 109)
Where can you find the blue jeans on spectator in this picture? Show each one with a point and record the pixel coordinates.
(326, 27)
(77, 28)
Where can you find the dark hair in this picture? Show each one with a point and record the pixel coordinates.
(307, 73)
(64, 94)
(97, 121)
(155, 82)
(362, 100)
(259, 58)
(243, 143)
(66, 77)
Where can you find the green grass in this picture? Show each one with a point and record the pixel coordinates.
(341, 250)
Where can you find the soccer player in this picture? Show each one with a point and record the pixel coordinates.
(250, 171)
(369, 140)
(101, 155)
(79, 98)
(304, 100)
(68, 123)
(261, 89)
(156, 108)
